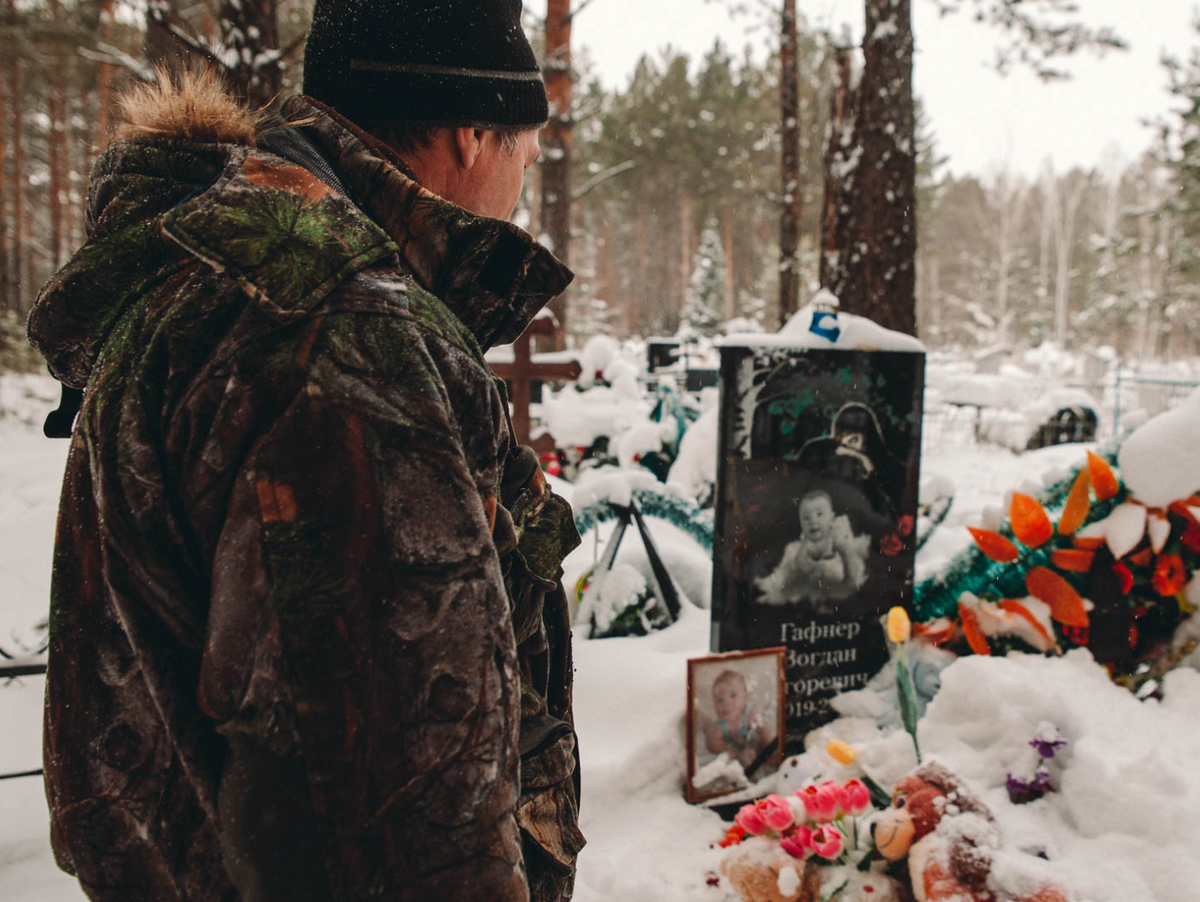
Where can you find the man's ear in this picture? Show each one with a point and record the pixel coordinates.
(469, 142)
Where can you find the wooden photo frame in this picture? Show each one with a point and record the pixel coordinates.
(735, 720)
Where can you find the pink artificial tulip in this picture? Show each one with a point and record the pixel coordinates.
(797, 842)
(776, 812)
(750, 820)
(856, 798)
(828, 842)
(821, 803)
(833, 790)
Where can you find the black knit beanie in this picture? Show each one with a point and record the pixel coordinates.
(425, 63)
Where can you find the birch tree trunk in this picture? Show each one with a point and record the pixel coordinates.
(1064, 241)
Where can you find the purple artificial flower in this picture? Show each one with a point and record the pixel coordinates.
(1016, 785)
(1041, 781)
(1046, 748)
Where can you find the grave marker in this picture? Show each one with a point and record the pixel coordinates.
(523, 372)
(816, 512)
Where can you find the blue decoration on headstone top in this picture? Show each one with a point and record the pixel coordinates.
(825, 324)
(824, 318)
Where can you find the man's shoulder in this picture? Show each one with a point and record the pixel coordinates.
(286, 237)
(389, 290)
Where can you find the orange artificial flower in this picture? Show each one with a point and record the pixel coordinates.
(994, 545)
(1029, 522)
(1169, 575)
(733, 837)
(1104, 481)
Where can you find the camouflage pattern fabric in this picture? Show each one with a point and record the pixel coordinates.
(283, 663)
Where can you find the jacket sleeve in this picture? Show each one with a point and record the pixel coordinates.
(360, 657)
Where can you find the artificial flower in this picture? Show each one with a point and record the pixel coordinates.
(797, 842)
(1169, 575)
(994, 545)
(820, 802)
(837, 793)
(841, 752)
(1124, 577)
(1028, 520)
(890, 545)
(1016, 785)
(1047, 747)
(733, 837)
(1077, 634)
(905, 525)
(1124, 528)
(1191, 537)
(776, 812)
(899, 627)
(1158, 530)
(827, 841)
(856, 797)
(751, 820)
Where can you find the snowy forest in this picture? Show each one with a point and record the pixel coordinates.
(904, 456)
(674, 181)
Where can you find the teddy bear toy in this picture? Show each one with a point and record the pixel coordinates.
(949, 838)
(758, 870)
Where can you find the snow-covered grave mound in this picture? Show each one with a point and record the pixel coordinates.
(1121, 827)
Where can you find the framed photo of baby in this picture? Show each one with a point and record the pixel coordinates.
(816, 503)
(735, 723)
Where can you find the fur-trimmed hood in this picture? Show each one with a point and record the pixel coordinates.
(187, 175)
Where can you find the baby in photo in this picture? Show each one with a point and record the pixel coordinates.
(739, 728)
(827, 561)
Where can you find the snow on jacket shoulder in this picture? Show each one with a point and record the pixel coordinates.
(282, 661)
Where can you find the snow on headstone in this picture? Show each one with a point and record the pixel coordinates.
(1159, 462)
(854, 333)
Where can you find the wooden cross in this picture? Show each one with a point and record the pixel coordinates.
(520, 375)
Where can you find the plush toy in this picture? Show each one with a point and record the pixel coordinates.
(949, 838)
(758, 870)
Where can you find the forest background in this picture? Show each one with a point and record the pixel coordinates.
(674, 186)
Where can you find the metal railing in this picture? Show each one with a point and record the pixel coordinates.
(12, 667)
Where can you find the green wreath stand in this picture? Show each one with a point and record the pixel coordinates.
(683, 513)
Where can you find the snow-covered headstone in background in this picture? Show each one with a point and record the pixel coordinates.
(817, 475)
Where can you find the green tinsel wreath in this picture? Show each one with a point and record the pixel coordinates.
(683, 513)
(972, 571)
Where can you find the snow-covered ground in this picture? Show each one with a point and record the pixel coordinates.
(1123, 828)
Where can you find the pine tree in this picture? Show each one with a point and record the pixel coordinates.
(590, 315)
(705, 308)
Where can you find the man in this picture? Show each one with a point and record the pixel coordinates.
(307, 640)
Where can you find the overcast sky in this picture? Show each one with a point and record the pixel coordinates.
(982, 121)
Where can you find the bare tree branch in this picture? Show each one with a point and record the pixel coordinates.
(601, 177)
(192, 43)
(583, 4)
(105, 53)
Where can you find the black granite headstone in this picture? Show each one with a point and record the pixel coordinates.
(662, 353)
(816, 511)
